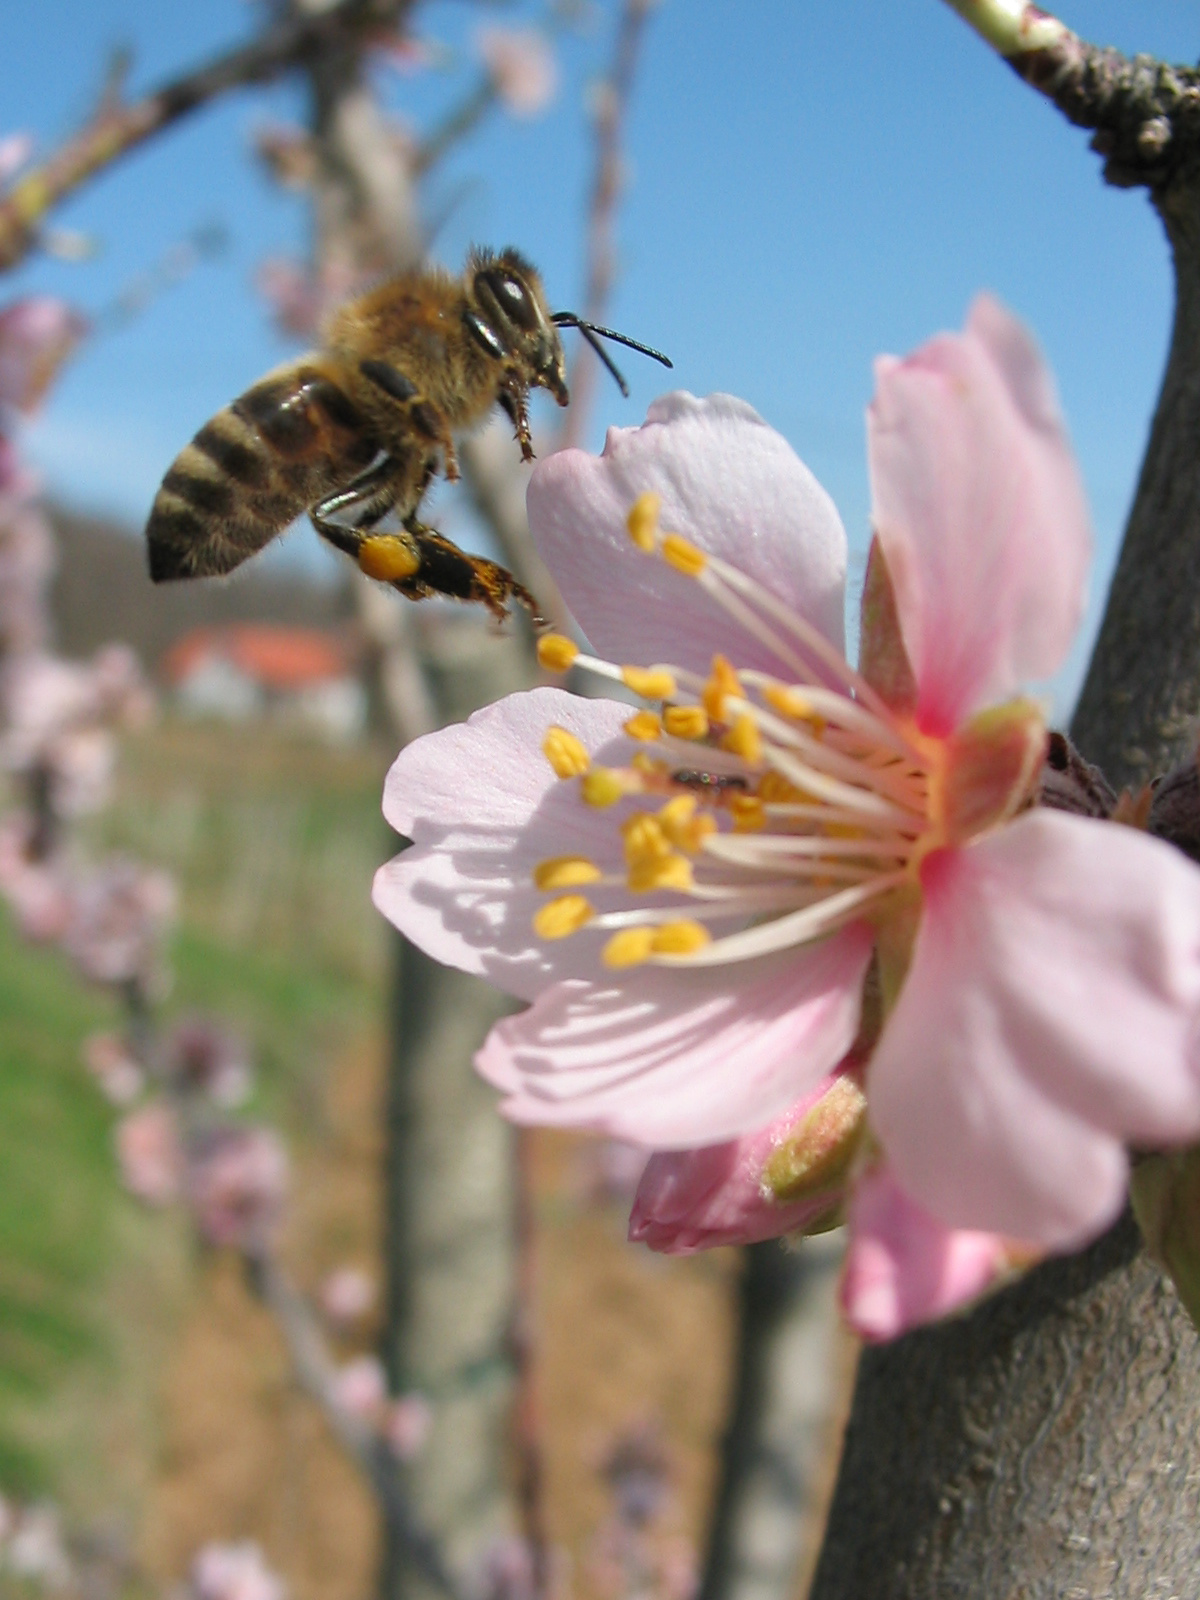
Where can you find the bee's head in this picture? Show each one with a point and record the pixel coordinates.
(512, 322)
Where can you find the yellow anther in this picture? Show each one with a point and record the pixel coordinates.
(565, 752)
(669, 872)
(686, 722)
(744, 739)
(680, 938)
(649, 765)
(559, 918)
(644, 838)
(795, 704)
(644, 725)
(722, 681)
(685, 829)
(652, 683)
(749, 813)
(565, 872)
(683, 555)
(642, 521)
(556, 653)
(629, 948)
(388, 557)
(774, 789)
(602, 787)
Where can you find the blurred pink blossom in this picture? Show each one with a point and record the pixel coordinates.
(234, 1572)
(406, 1425)
(36, 1548)
(149, 1153)
(15, 151)
(347, 1294)
(120, 913)
(35, 887)
(27, 561)
(203, 1054)
(361, 1387)
(505, 1570)
(300, 299)
(237, 1185)
(108, 1059)
(522, 67)
(37, 335)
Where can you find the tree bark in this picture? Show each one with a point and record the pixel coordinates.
(1044, 1446)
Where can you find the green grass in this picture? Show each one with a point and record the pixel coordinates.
(273, 840)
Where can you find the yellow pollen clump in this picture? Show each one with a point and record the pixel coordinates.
(565, 752)
(629, 948)
(642, 521)
(556, 653)
(670, 872)
(602, 787)
(749, 813)
(723, 680)
(644, 725)
(744, 739)
(683, 555)
(644, 838)
(650, 682)
(562, 917)
(774, 789)
(387, 557)
(680, 938)
(565, 872)
(794, 703)
(650, 765)
(686, 722)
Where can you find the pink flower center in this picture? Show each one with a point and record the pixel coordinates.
(786, 806)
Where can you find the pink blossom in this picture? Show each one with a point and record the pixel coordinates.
(234, 1572)
(347, 1294)
(360, 1387)
(15, 150)
(237, 1183)
(694, 918)
(35, 884)
(119, 916)
(108, 1058)
(903, 1267)
(300, 299)
(203, 1054)
(406, 1426)
(37, 335)
(522, 67)
(150, 1154)
(27, 562)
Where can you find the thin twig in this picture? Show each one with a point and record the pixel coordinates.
(317, 1375)
(116, 129)
(607, 187)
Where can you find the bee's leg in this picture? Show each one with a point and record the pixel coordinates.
(446, 570)
(342, 518)
(514, 402)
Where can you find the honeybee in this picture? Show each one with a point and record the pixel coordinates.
(359, 428)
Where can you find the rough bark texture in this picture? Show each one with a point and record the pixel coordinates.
(1044, 1447)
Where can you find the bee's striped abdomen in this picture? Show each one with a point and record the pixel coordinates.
(257, 465)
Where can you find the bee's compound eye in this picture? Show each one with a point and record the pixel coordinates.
(513, 298)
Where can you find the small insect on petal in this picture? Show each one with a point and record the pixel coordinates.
(566, 753)
(556, 653)
(560, 918)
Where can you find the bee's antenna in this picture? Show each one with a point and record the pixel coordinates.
(593, 333)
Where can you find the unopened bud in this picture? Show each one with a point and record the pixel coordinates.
(815, 1155)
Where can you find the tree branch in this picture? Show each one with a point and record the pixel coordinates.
(115, 129)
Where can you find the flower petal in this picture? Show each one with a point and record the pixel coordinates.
(1049, 1018)
(482, 806)
(903, 1267)
(691, 1200)
(728, 482)
(981, 514)
(671, 1058)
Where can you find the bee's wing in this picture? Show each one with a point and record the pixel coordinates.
(290, 440)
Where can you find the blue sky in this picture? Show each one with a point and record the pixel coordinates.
(809, 185)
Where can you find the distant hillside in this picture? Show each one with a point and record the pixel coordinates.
(102, 592)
